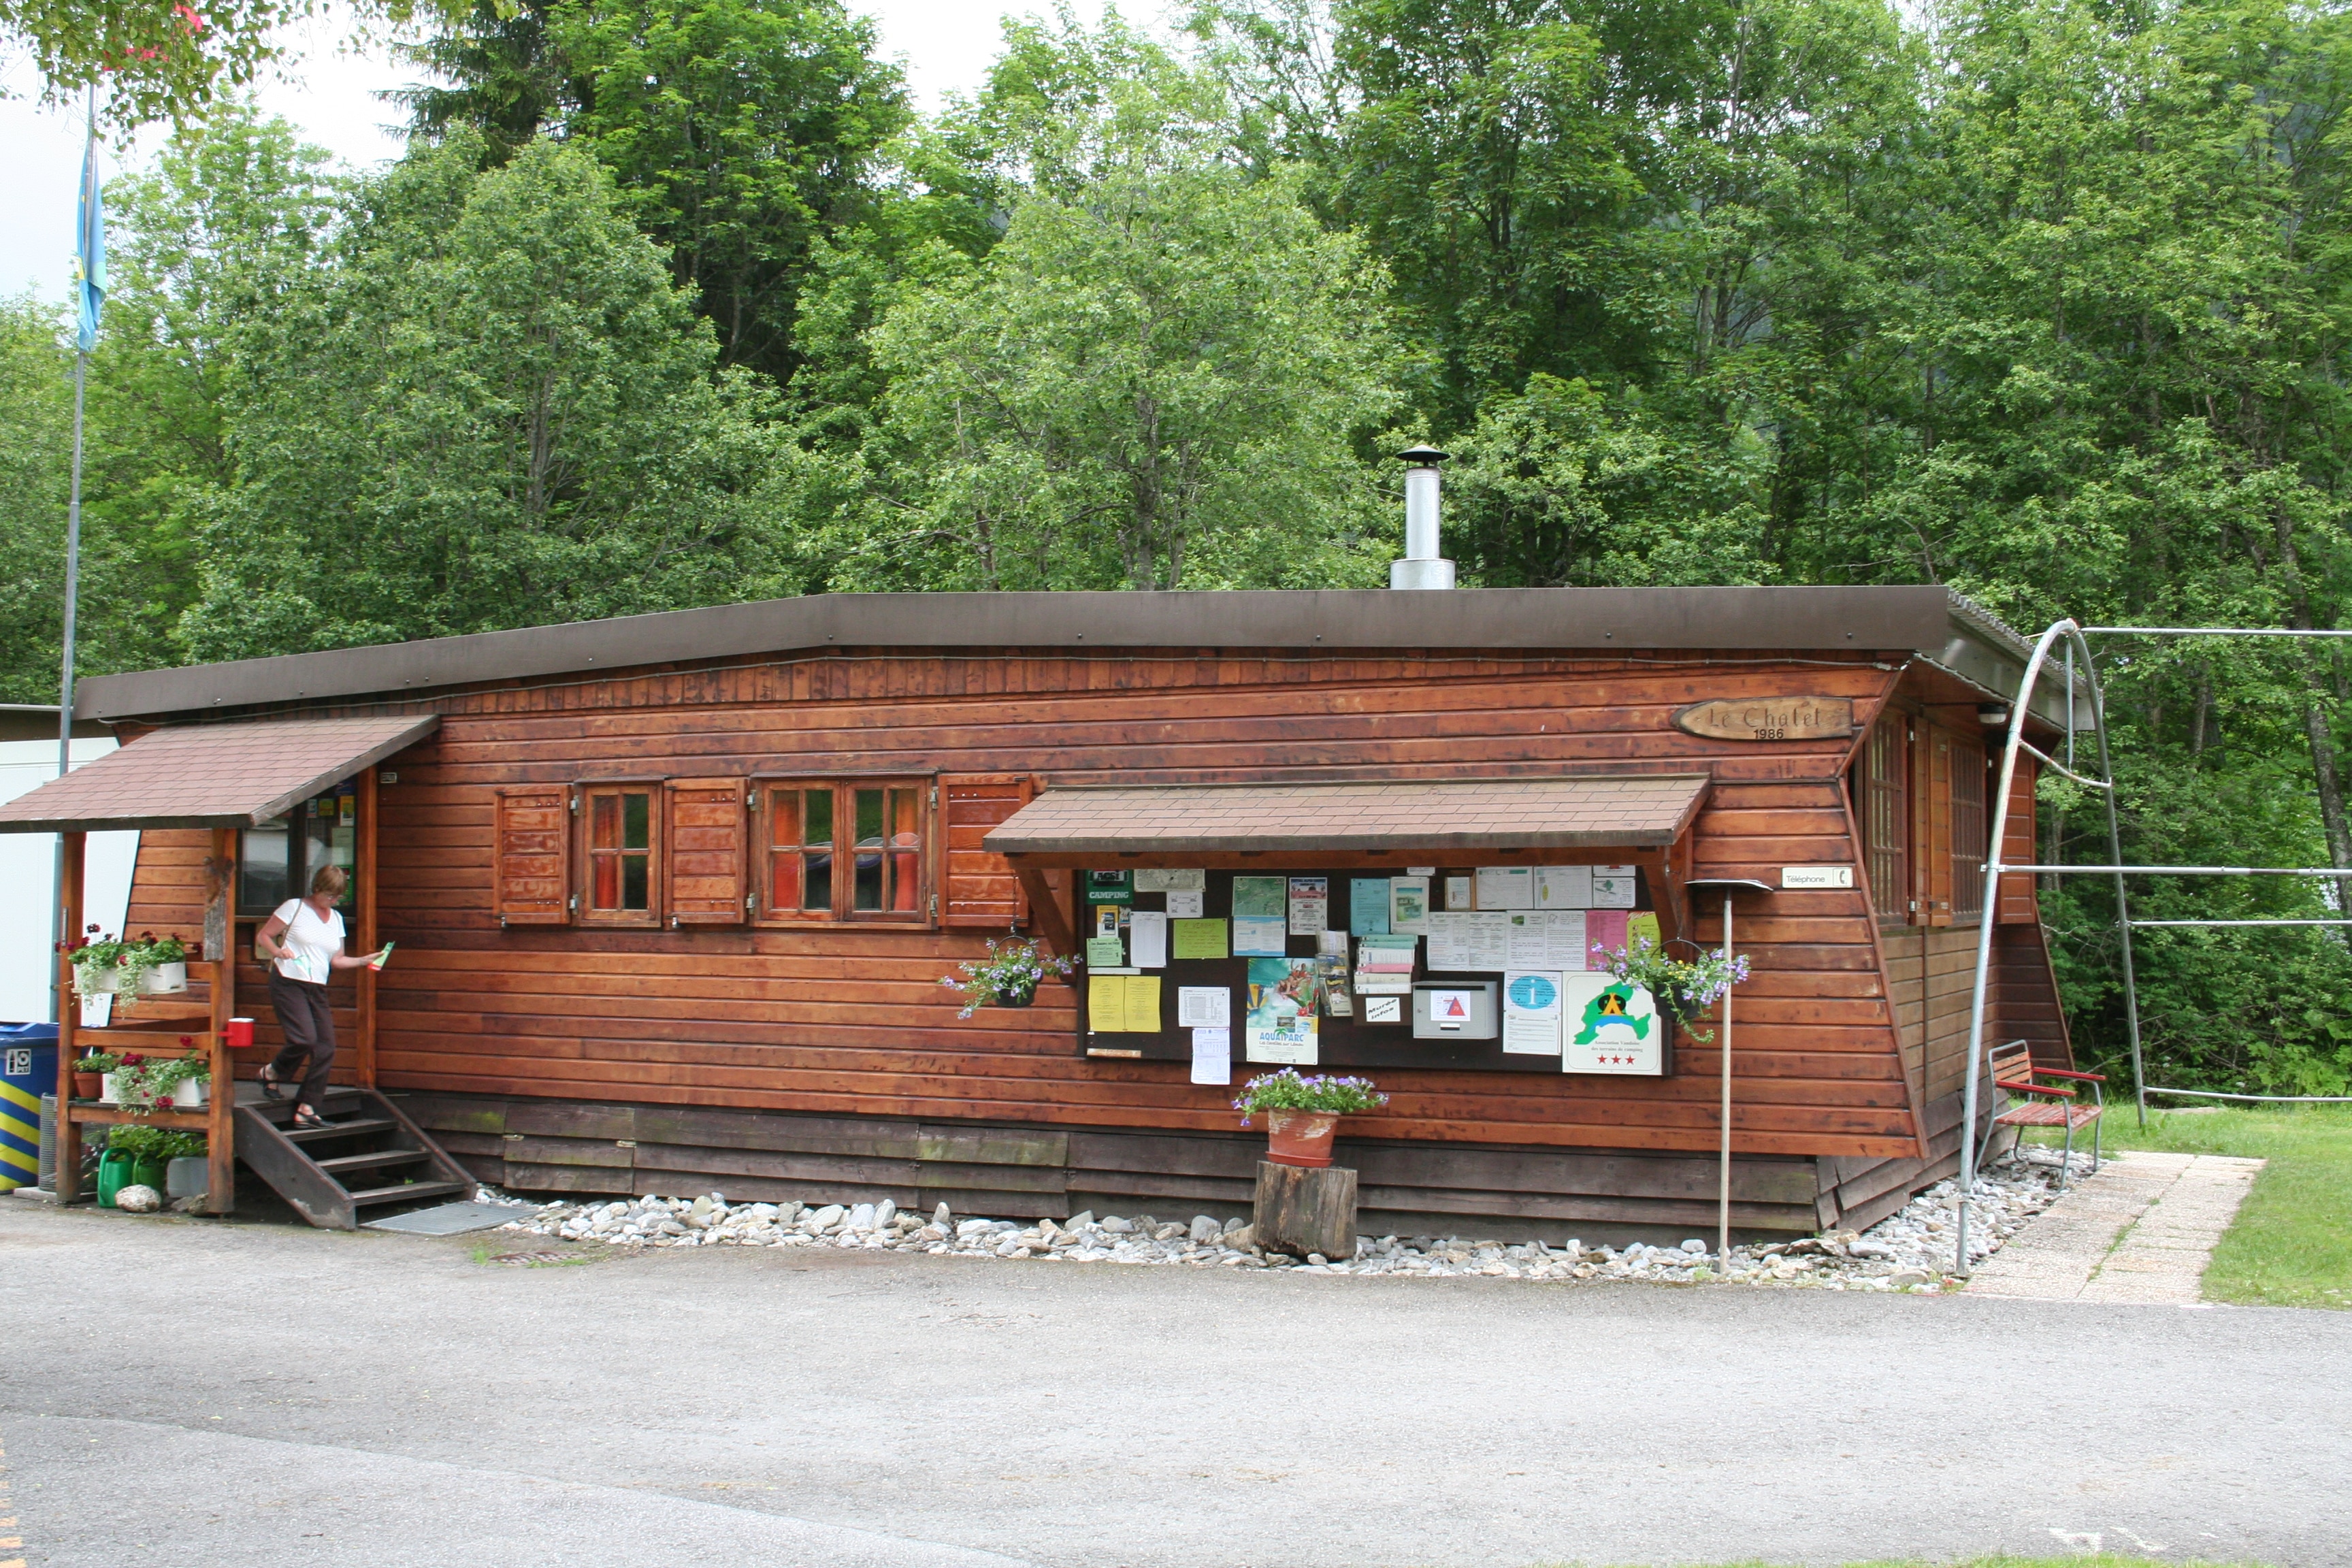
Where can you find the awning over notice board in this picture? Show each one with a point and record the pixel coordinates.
(1484, 813)
(212, 775)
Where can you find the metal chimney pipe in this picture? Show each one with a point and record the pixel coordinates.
(1421, 567)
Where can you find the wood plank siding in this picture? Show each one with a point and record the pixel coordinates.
(844, 1031)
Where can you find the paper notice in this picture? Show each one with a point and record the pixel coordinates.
(1604, 933)
(1107, 1004)
(1258, 898)
(1203, 1007)
(1457, 893)
(1368, 906)
(1531, 1014)
(1165, 881)
(1548, 939)
(1213, 1056)
(1569, 950)
(1449, 944)
(1310, 905)
(1197, 939)
(1409, 906)
(1643, 927)
(1279, 1027)
(1611, 1027)
(1142, 1006)
(1257, 936)
(1489, 939)
(1106, 953)
(1147, 940)
(1563, 887)
(1506, 888)
(1613, 886)
(1186, 904)
(1106, 919)
(1384, 1010)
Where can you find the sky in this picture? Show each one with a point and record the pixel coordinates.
(329, 92)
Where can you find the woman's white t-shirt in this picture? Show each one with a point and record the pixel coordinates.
(309, 942)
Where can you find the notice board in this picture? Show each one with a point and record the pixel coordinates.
(1148, 921)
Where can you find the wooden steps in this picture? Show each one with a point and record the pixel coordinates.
(369, 1141)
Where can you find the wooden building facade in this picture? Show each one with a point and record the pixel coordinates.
(674, 895)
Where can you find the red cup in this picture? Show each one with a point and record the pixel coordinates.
(241, 1033)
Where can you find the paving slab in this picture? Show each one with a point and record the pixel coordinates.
(2141, 1230)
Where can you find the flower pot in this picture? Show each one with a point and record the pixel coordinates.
(190, 1176)
(1012, 998)
(1300, 1137)
(240, 1034)
(190, 1094)
(87, 1085)
(146, 1172)
(113, 1175)
(165, 979)
(106, 1090)
(97, 982)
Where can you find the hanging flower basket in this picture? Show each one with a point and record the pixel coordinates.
(1008, 977)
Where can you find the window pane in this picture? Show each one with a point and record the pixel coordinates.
(784, 881)
(636, 824)
(606, 894)
(869, 818)
(604, 822)
(262, 874)
(819, 832)
(632, 882)
(905, 827)
(818, 884)
(784, 820)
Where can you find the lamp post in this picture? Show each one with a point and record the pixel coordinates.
(1729, 885)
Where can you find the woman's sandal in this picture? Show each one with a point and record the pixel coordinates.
(271, 1088)
(306, 1119)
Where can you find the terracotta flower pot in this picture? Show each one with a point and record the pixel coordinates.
(86, 1085)
(1300, 1137)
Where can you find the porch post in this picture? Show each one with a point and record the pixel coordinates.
(220, 917)
(70, 894)
(366, 863)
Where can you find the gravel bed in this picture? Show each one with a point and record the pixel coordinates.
(1909, 1250)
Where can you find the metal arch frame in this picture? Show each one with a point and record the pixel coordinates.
(2073, 634)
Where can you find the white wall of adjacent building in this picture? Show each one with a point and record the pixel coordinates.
(28, 881)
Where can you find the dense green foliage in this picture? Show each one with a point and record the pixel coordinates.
(677, 301)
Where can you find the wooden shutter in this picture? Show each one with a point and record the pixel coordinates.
(2017, 904)
(531, 855)
(709, 852)
(977, 888)
(1931, 833)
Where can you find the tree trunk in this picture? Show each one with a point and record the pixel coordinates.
(1300, 1211)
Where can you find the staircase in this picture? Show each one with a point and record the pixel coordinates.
(370, 1160)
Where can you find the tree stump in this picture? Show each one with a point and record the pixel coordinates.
(1300, 1211)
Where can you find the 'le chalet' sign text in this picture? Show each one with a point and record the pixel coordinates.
(1769, 719)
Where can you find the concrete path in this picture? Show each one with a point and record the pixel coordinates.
(2143, 1229)
(203, 1394)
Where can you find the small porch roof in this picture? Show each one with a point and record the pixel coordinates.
(212, 775)
(1591, 813)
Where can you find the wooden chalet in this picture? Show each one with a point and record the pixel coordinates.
(673, 895)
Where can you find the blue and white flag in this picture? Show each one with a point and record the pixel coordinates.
(90, 248)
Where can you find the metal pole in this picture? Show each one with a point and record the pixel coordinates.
(2122, 898)
(66, 652)
(1723, 1208)
(2070, 704)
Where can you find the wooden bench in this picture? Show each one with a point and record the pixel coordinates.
(2050, 1105)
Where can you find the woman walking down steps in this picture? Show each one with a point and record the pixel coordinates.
(302, 941)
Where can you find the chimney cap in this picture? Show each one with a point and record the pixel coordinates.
(1422, 457)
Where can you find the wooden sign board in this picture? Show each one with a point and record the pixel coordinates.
(1769, 719)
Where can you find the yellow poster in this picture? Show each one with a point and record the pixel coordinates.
(1142, 1005)
(1107, 1004)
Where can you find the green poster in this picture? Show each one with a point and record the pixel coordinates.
(1260, 898)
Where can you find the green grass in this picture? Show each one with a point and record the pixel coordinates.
(2292, 1243)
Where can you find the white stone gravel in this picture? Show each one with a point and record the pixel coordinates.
(1911, 1249)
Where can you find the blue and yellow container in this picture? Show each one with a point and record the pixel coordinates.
(28, 1069)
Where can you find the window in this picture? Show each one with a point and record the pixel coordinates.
(276, 859)
(1882, 802)
(620, 835)
(842, 851)
(1971, 824)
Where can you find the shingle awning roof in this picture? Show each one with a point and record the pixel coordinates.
(212, 775)
(1485, 813)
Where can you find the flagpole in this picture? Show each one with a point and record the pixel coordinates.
(73, 562)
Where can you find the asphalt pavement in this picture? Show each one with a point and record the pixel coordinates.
(191, 1393)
